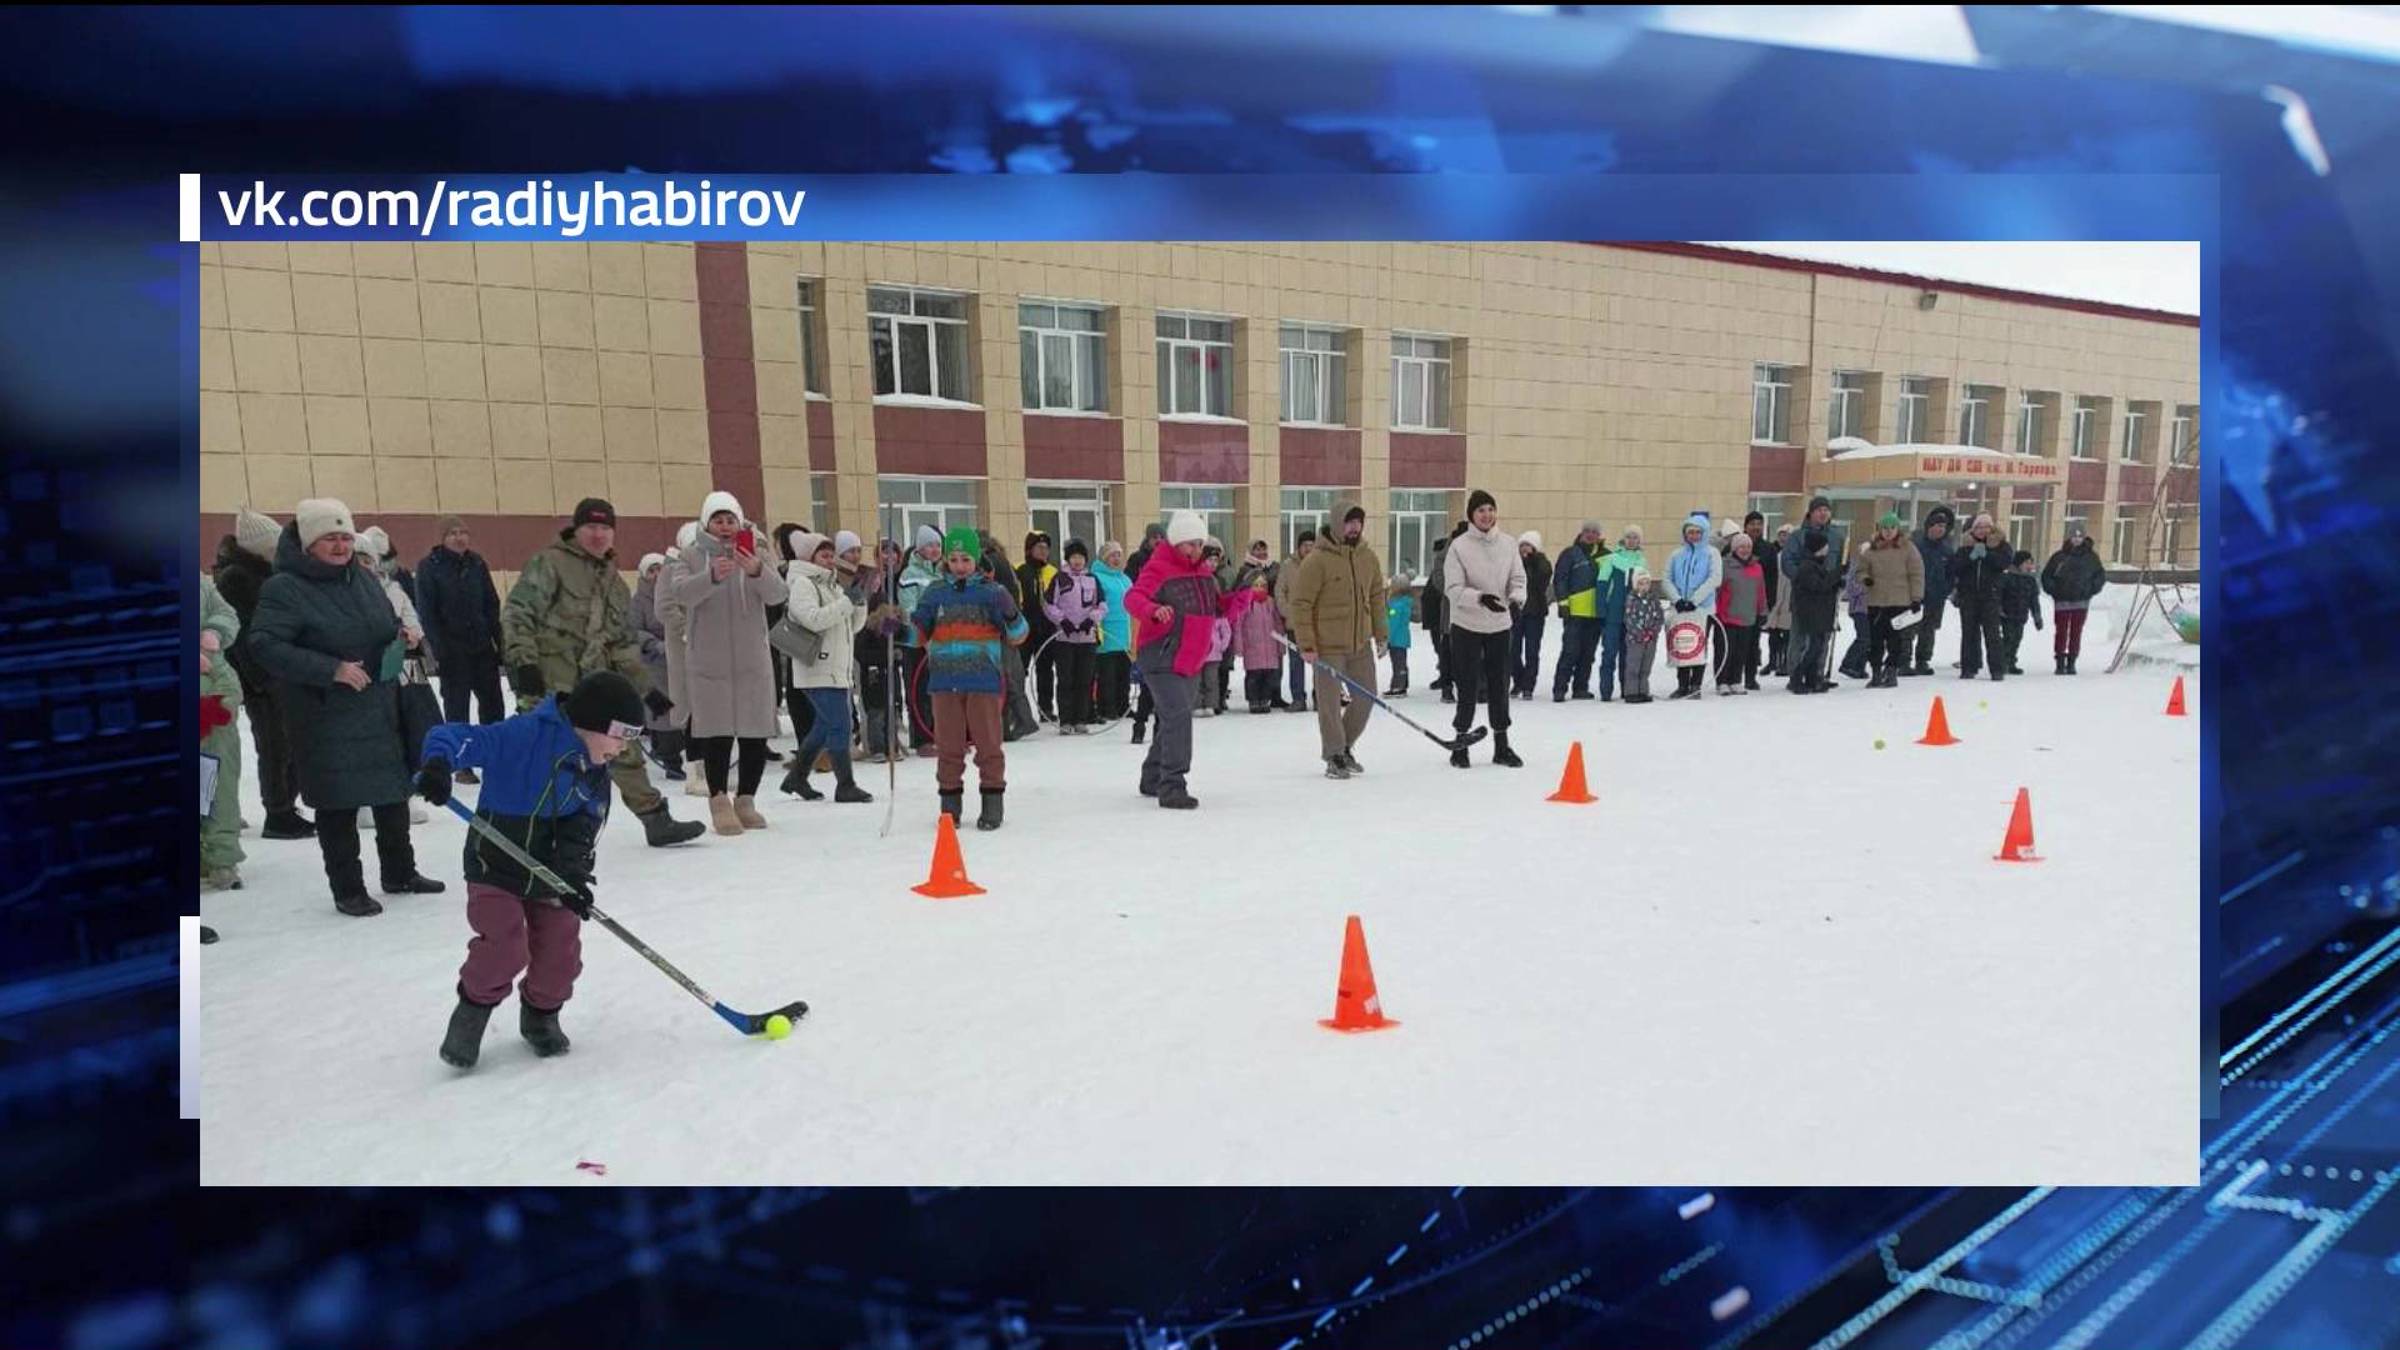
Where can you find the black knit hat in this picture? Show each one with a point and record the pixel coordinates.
(1479, 499)
(1306, 537)
(604, 701)
(1076, 549)
(2024, 556)
(1815, 502)
(595, 511)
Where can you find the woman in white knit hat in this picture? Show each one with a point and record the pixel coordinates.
(725, 588)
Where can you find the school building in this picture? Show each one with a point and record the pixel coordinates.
(1088, 388)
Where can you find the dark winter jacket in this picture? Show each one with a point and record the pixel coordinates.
(2072, 578)
(1795, 547)
(2020, 598)
(1537, 581)
(1975, 572)
(1578, 570)
(1033, 583)
(239, 575)
(1433, 607)
(1816, 593)
(1770, 564)
(1937, 558)
(312, 616)
(539, 788)
(458, 604)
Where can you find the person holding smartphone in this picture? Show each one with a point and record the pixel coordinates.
(725, 589)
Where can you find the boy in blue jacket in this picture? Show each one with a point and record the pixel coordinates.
(1399, 612)
(546, 787)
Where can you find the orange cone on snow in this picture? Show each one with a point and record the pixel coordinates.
(2175, 699)
(1571, 789)
(1356, 1006)
(1937, 726)
(948, 880)
(2018, 845)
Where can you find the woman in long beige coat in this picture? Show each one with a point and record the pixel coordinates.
(728, 679)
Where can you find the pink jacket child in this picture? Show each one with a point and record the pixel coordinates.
(1255, 634)
(1189, 637)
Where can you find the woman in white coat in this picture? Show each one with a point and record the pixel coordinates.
(821, 625)
(725, 587)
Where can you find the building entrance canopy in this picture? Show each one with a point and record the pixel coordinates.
(1855, 463)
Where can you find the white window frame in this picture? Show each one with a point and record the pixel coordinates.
(2183, 443)
(1168, 348)
(2129, 448)
(1414, 364)
(2124, 537)
(1083, 401)
(812, 365)
(1914, 420)
(2170, 538)
(1329, 404)
(1219, 518)
(2083, 448)
(1770, 506)
(1974, 414)
(1774, 383)
(910, 500)
(1063, 500)
(932, 324)
(2029, 425)
(1429, 510)
(1308, 514)
(2027, 522)
(1845, 405)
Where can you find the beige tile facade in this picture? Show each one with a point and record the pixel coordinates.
(1587, 381)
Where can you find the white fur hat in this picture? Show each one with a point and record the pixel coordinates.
(1532, 538)
(844, 541)
(687, 536)
(373, 542)
(650, 563)
(720, 501)
(321, 516)
(1186, 527)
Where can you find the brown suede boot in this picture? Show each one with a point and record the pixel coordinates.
(745, 809)
(723, 816)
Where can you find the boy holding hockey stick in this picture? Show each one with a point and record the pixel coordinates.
(546, 788)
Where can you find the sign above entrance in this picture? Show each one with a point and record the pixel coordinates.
(1990, 468)
(1858, 464)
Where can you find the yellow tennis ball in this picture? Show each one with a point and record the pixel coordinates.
(1879, 742)
(778, 1027)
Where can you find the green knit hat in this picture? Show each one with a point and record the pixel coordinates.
(1890, 520)
(962, 539)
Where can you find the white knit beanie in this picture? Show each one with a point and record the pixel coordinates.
(1531, 538)
(687, 536)
(719, 501)
(1186, 527)
(374, 542)
(844, 541)
(651, 561)
(321, 516)
(256, 532)
(927, 535)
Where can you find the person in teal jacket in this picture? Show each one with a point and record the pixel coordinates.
(1115, 665)
(1400, 612)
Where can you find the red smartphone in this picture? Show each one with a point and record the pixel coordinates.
(746, 541)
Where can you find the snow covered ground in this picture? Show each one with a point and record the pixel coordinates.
(1771, 954)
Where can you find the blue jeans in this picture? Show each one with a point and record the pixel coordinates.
(1299, 677)
(832, 730)
(1612, 651)
(1525, 648)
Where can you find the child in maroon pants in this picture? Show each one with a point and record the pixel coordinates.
(545, 787)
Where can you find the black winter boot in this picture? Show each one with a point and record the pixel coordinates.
(207, 935)
(953, 807)
(852, 792)
(1458, 758)
(990, 819)
(357, 903)
(412, 884)
(287, 825)
(661, 829)
(463, 1045)
(540, 1030)
(1502, 755)
(795, 782)
(1176, 799)
(1138, 729)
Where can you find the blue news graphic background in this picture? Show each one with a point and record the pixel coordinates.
(106, 1243)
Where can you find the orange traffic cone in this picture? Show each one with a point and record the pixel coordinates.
(1937, 726)
(948, 880)
(1571, 789)
(2018, 845)
(1356, 1006)
(2175, 699)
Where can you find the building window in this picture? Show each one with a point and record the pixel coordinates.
(1420, 383)
(1195, 366)
(2088, 420)
(2124, 538)
(1305, 509)
(1312, 374)
(1067, 511)
(2027, 518)
(1418, 518)
(2135, 447)
(820, 495)
(939, 502)
(1846, 405)
(1975, 416)
(2183, 439)
(2170, 541)
(1770, 405)
(812, 365)
(1215, 505)
(2031, 409)
(918, 342)
(1916, 410)
(1063, 357)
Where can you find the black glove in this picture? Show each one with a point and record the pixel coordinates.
(1917, 608)
(1685, 606)
(658, 704)
(433, 781)
(1494, 603)
(577, 901)
(528, 681)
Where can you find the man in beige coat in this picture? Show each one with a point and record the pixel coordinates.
(1337, 620)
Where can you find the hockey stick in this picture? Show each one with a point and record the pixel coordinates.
(749, 1024)
(1459, 742)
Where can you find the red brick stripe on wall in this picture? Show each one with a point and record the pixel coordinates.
(1083, 448)
(1425, 460)
(1320, 455)
(729, 373)
(2087, 481)
(2136, 484)
(504, 541)
(938, 441)
(1778, 468)
(820, 436)
(1203, 452)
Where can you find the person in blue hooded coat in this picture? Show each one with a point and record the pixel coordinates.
(1694, 572)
